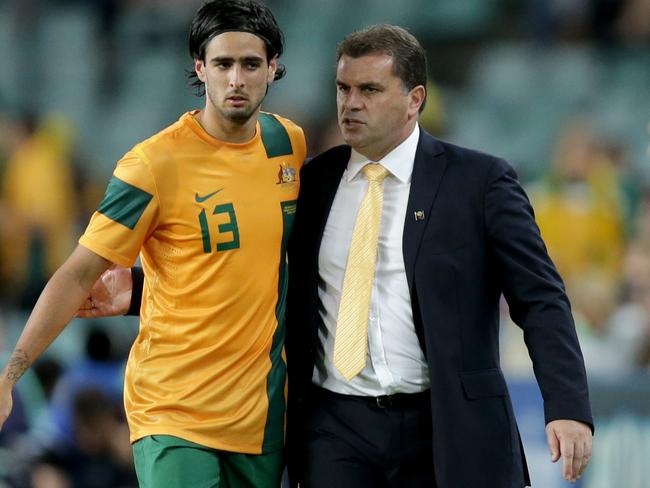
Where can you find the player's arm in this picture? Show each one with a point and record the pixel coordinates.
(59, 301)
(118, 291)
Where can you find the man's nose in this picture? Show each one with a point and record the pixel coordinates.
(235, 77)
(353, 100)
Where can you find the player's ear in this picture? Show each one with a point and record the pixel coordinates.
(199, 68)
(273, 66)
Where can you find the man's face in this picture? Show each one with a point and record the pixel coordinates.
(236, 74)
(375, 111)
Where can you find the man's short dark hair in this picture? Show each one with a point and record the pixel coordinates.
(409, 57)
(219, 16)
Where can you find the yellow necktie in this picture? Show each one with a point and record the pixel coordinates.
(351, 341)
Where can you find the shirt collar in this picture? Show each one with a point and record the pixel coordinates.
(399, 162)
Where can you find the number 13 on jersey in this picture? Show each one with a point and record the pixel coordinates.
(227, 227)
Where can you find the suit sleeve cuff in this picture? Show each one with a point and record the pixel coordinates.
(137, 277)
(571, 409)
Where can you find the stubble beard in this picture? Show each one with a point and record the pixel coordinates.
(237, 115)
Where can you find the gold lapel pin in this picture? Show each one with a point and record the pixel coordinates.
(419, 215)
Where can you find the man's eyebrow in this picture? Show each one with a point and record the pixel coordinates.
(368, 84)
(251, 58)
(371, 84)
(244, 59)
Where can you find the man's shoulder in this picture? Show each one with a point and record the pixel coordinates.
(466, 160)
(275, 125)
(336, 153)
(273, 122)
(461, 153)
(172, 134)
(288, 124)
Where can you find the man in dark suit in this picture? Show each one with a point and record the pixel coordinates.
(409, 242)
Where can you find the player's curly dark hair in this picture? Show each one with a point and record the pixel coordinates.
(219, 16)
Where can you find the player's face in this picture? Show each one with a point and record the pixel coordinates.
(376, 113)
(236, 74)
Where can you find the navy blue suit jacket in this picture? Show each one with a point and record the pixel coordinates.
(477, 241)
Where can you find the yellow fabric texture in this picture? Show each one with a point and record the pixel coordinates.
(351, 341)
(211, 242)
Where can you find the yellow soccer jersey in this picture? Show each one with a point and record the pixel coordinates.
(211, 222)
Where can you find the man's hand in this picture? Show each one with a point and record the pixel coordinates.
(571, 440)
(6, 404)
(62, 295)
(110, 295)
(16, 367)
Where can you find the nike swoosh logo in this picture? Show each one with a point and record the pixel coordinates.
(201, 199)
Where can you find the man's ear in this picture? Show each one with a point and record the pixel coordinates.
(273, 66)
(416, 99)
(199, 68)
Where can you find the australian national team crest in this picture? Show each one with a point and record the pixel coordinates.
(286, 175)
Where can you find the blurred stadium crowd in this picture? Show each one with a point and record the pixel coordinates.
(560, 88)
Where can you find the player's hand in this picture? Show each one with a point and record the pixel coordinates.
(110, 295)
(6, 404)
(570, 440)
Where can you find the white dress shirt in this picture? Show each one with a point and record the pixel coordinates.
(395, 362)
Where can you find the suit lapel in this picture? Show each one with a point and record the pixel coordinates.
(428, 169)
(327, 188)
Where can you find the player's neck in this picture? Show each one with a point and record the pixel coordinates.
(226, 130)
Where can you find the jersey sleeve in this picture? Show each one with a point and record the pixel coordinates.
(127, 214)
(301, 144)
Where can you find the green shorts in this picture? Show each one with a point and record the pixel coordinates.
(163, 461)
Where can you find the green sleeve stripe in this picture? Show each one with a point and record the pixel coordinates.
(274, 137)
(124, 203)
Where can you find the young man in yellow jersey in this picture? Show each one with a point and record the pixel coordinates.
(205, 380)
